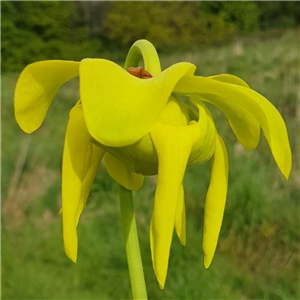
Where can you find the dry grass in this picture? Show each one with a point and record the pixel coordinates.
(25, 187)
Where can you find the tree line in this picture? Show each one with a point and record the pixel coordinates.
(73, 30)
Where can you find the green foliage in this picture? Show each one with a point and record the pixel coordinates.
(40, 30)
(244, 15)
(37, 30)
(278, 14)
(15, 40)
(169, 25)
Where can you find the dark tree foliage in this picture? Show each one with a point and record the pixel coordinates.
(244, 15)
(278, 14)
(173, 26)
(37, 30)
(40, 30)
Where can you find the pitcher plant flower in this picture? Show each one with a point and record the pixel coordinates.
(136, 120)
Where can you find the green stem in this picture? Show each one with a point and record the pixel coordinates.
(132, 245)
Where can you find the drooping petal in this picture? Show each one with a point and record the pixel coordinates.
(237, 98)
(243, 124)
(173, 145)
(215, 201)
(121, 174)
(78, 171)
(180, 219)
(97, 155)
(228, 78)
(36, 88)
(204, 147)
(114, 101)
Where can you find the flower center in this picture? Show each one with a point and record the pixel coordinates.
(139, 72)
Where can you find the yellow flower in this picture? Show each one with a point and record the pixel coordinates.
(141, 126)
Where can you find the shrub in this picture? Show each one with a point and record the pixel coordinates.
(40, 30)
(244, 15)
(169, 25)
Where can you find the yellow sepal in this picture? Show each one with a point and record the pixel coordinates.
(119, 108)
(36, 88)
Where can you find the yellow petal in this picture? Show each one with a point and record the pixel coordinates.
(243, 124)
(215, 201)
(36, 87)
(204, 147)
(173, 145)
(237, 98)
(121, 174)
(78, 164)
(174, 113)
(119, 108)
(97, 155)
(180, 219)
(228, 78)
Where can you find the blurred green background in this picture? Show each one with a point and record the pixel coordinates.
(258, 251)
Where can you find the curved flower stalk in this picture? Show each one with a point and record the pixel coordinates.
(140, 126)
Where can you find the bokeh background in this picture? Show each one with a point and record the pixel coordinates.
(258, 251)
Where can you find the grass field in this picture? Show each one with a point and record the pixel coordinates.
(258, 251)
